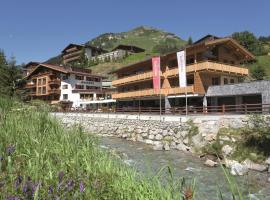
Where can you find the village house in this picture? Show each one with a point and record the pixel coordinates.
(74, 53)
(76, 86)
(211, 61)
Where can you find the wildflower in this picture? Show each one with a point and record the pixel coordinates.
(50, 190)
(70, 185)
(81, 187)
(18, 181)
(10, 150)
(28, 188)
(13, 198)
(60, 176)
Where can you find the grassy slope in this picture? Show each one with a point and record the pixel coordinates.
(34, 149)
(263, 61)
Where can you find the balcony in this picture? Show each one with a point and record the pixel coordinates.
(134, 94)
(30, 85)
(54, 91)
(72, 54)
(179, 91)
(134, 78)
(210, 66)
(55, 82)
(72, 59)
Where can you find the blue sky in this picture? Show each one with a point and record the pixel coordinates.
(35, 30)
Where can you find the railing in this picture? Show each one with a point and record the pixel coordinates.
(152, 92)
(55, 82)
(210, 65)
(71, 59)
(30, 85)
(54, 91)
(191, 110)
(69, 55)
(134, 78)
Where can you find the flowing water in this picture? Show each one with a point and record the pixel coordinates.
(146, 160)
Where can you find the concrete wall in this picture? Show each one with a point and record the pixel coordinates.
(256, 87)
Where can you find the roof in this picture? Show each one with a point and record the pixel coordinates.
(129, 48)
(208, 40)
(72, 45)
(65, 70)
(31, 64)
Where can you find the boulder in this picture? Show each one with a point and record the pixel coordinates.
(158, 147)
(210, 163)
(238, 169)
(182, 147)
(254, 166)
(151, 137)
(267, 161)
(166, 147)
(148, 141)
(158, 137)
(210, 137)
(226, 150)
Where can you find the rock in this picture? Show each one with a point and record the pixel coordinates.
(182, 147)
(210, 163)
(178, 135)
(151, 137)
(210, 137)
(166, 147)
(184, 133)
(186, 141)
(164, 132)
(267, 161)
(238, 169)
(158, 137)
(269, 179)
(254, 166)
(226, 150)
(197, 141)
(225, 138)
(139, 138)
(158, 147)
(148, 141)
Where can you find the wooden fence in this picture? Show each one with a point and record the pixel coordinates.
(192, 110)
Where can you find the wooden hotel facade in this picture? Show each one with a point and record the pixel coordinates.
(210, 61)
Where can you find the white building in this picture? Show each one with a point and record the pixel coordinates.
(68, 84)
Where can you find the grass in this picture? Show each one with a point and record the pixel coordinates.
(263, 61)
(40, 159)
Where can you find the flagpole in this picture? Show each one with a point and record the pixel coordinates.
(186, 89)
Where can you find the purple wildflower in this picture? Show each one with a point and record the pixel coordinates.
(10, 150)
(27, 188)
(50, 190)
(70, 185)
(81, 187)
(60, 176)
(13, 198)
(18, 181)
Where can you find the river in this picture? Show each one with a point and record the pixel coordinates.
(148, 161)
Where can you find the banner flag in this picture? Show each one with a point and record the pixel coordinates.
(181, 59)
(156, 73)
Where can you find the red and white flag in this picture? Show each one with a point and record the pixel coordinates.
(181, 59)
(156, 73)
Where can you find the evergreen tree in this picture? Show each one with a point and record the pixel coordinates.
(190, 41)
(258, 73)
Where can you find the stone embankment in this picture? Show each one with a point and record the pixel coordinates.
(189, 135)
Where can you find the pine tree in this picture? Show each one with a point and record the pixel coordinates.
(190, 41)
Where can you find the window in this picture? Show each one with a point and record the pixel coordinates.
(39, 81)
(232, 81)
(44, 90)
(65, 77)
(215, 81)
(39, 90)
(225, 81)
(190, 81)
(79, 77)
(97, 79)
(65, 96)
(65, 86)
(79, 87)
(44, 81)
(89, 78)
(90, 87)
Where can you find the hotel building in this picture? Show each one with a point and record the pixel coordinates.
(211, 61)
(77, 86)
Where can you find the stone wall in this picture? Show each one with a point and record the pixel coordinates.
(186, 136)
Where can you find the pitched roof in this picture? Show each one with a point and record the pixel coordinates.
(31, 64)
(206, 38)
(80, 46)
(129, 48)
(72, 45)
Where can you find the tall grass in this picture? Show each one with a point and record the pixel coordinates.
(40, 159)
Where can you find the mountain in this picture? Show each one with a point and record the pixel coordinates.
(153, 40)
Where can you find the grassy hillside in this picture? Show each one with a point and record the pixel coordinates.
(154, 41)
(263, 61)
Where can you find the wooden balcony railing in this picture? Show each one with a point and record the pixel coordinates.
(152, 92)
(133, 94)
(72, 54)
(72, 59)
(28, 85)
(55, 82)
(134, 78)
(54, 91)
(210, 66)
